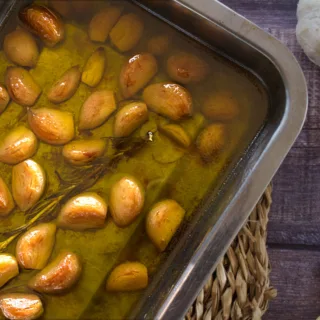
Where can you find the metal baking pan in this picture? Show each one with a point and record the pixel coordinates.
(222, 214)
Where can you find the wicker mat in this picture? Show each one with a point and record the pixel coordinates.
(240, 287)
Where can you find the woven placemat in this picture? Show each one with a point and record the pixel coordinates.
(239, 289)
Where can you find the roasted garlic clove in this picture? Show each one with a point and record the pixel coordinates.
(94, 68)
(21, 86)
(28, 183)
(21, 306)
(59, 275)
(51, 125)
(168, 99)
(127, 32)
(126, 200)
(8, 268)
(177, 134)
(158, 45)
(221, 106)
(84, 211)
(187, 68)
(4, 98)
(6, 200)
(102, 23)
(44, 23)
(211, 140)
(162, 222)
(18, 145)
(128, 276)
(136, 73)
(97, 109)
(64, 88)
(34, 248)
(21, 48)
(129, 118)
(82, 152)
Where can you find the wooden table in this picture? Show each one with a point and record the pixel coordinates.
(294, 228)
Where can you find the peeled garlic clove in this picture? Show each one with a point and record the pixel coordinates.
(97, 109)
(28, 183)
(18, 145)
(102, 23)
(186, 68)
(8, 268)
(220, 106)
(82, 152)
(6, 200)
(129, 276)
(211, 140)
(21, 48)
(127, 32)
(4, 98)
(158, 45)
(94, 68)
(34, 248)
(21, 306)
(129, 118)
(21, 86)
(126, 200)
(59, 275)
(177, 134)
(64, 88)
(168, 99)
(84, 211)
(163, 221)
(51, 125)
(136, 73)
(44, 23)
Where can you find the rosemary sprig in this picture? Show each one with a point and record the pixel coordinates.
(82, 179)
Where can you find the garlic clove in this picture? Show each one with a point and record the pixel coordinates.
(8, 268)
(177, 134)
(6, 200)
(4, 98)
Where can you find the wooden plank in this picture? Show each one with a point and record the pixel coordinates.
(296, 275)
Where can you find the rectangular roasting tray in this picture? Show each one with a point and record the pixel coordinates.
(217, 222)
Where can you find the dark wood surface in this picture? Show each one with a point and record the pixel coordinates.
(294, 228)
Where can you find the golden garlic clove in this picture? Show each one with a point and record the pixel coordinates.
(136, 73)
(127, 32)
(221, 106)
(102, 23)
(34, 248)
(4, 98)
(211, 140)
(82, 152)
(18, 145)
(129, 118)
(21, 86)
(6, 200)
(128, 276)
(94, 68)
(51, 125)
(21, 48)
(97, 109)
(59, 275)
(84, 211)
(158, 45)
(8, 268)
(126, 200)
(168, 99)
(28, 183)
(64, 88)
(187, 68)
(44, 23)
(162, 222)
(177, 134)
(21, 306)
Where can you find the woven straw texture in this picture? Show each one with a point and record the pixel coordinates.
(239, 289)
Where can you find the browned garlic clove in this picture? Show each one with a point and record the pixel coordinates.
(6, 200)
(4, 98)
(8, 268)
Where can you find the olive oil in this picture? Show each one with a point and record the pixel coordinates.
(165, 169)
